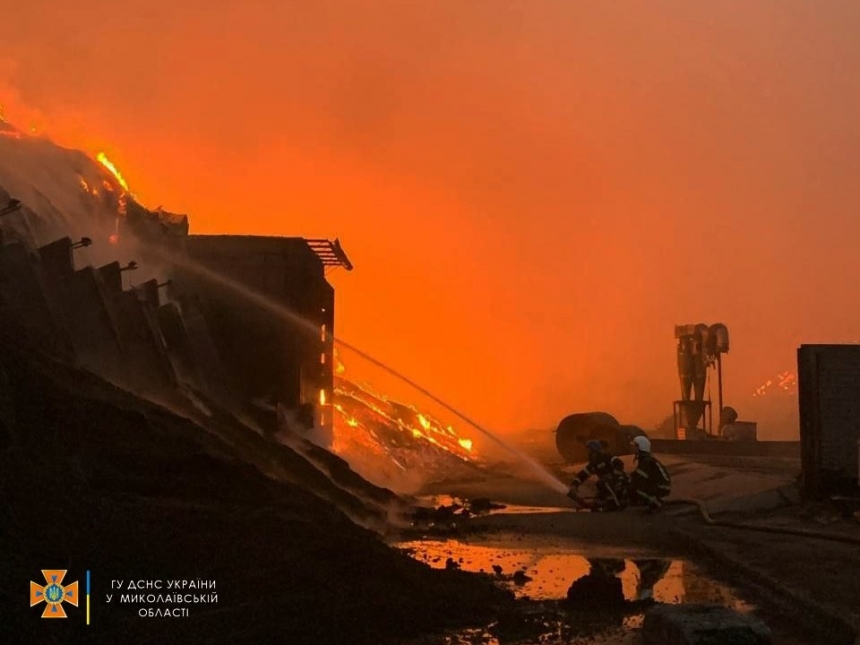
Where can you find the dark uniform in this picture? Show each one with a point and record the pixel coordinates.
(612, 481)
(650, 482)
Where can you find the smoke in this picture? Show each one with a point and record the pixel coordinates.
(303, 423)
(533, 193)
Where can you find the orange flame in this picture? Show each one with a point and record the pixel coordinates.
(360, 410)
(107, 163)
(785, 381)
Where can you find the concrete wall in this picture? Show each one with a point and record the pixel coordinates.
(191, 351)
(146, 364)
(29, 308)
(92, 323)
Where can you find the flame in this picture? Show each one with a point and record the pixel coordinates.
(339, 367)
(369, 423)
(107, 163)
(784, 381)
(322, 397)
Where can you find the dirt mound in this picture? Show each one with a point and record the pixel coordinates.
(96, 479)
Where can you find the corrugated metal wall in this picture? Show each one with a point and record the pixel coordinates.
(829, 398)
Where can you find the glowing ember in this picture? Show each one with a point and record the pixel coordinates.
(338, 366)
(103, 160)
(784, 382)
(114, 238)
(370, 424)
(86, 187)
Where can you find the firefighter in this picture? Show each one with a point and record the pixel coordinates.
(650, 482)
(611, 479)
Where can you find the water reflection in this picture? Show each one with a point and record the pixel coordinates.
(572, 599)
(548, 573)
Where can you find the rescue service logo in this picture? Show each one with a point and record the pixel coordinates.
(54, 593)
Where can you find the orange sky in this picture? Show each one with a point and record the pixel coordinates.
(533, 193)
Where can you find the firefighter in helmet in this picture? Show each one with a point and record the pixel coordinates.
(612, 481)
(650, 482)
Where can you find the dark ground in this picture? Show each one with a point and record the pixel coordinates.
(92, 478)
(805, 588)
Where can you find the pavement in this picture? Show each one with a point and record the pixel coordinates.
(803, 578)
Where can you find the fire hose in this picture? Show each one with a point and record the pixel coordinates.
(706, 516)
(588, 504)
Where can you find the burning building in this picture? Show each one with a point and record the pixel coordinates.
(270, 361)
(125, 292)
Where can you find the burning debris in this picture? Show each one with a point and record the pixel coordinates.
(70, 193)
(784, 382)
(388, 442)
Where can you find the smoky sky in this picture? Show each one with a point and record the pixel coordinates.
(533, 193)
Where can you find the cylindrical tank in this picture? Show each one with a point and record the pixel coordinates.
(624, 437)
(576, 429)
(728, 415)
(719, 334)
(700, 365)
(686, 368)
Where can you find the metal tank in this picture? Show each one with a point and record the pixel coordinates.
(576, 429)
(699, 347)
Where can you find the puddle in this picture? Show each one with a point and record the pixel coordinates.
(546, 573)
(437, 501)
(608, 596)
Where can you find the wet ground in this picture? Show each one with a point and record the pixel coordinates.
(804, 589)
(570, 593)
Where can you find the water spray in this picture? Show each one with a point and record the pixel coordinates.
(267, 303)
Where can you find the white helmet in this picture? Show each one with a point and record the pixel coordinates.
(643, 443)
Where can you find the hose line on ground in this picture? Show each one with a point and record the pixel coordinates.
(706, 516)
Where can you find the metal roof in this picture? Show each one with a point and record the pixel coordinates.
(330, 253)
